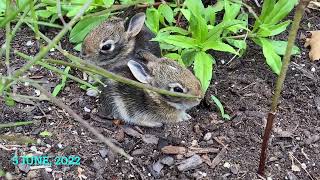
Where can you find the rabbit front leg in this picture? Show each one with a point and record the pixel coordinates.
(184, 116)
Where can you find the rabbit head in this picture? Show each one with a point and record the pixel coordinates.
(111, 40)
(167, 74)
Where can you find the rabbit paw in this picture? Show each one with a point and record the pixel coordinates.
(149, 123)
(185, 117)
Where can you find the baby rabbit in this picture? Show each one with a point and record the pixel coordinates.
(112, 42)
(145, 107)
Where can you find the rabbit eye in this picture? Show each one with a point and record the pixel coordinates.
(107, 46)
(178, 89)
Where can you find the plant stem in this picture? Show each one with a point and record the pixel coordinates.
(84, 123)
(12, 15)
(8, 38)
(52, 68)
(35, 20)
(22, 123)
(56, 39)
(279, 85)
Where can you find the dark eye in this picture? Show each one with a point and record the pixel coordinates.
(107, 46)
(178, 89)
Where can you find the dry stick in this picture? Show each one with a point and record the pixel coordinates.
(275, 101)
(103, 139)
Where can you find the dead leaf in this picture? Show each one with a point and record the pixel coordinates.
(314, 43)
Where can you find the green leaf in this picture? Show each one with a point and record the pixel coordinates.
(218, 46)
(60, 86)
(280, 47)
(78, 47)
(153, 18)
(266, 30)
(210, 15)
(216, 31)
(203, 69)
(83, 27)
(280, 10)
(219, 6)
(174, 29)
(175, 56)
(231, 10)
(272, 58)
(166, 11)
(240, 44)
(221, 108)
(9, 101)
(199, 28)
(186, 13)
(188, 56)
(178, 41)
(108, 3)
(266, 9)
(195, 6)
(45, 134)
(44, 13)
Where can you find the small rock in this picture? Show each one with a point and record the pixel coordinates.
(137, 152)
(269, 178)
(210, 142)
(227, 165)
(196, 129)
(303, 166)
(29, 43)
(190, 163)
(194, 143)
(60, 146)
(37, 92)
(87, 109)
(92, 92)
(273, 159)
(312, 139)
(313, 69)
(234, 169)
(168, 160)
(103, 152)
(291, 176)
(24, 167)
(157, 167)
(150, 139)
(119, 135)
(207, 136)
(199, 175)
(132, 132)
(179, 156)
(173, 150)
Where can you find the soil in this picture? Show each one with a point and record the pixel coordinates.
(244, 86)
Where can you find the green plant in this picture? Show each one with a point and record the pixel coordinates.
(190, 46)
(221, 108)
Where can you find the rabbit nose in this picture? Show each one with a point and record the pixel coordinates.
(83, 54)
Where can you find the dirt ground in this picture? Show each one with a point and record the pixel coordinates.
(245, 87)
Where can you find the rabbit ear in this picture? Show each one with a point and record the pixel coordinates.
(136, 24)
(139, 72)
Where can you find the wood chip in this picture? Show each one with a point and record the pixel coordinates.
(190, 163)
(218, 158)
(173, 150)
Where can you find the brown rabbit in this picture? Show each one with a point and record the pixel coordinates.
(145, 107)
(112, 42)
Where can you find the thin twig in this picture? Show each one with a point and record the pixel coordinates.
(22, 123)
(60, 13)
(245, 38)
(35, 20)
(8, 38)
(84, 123)
(279, 84)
